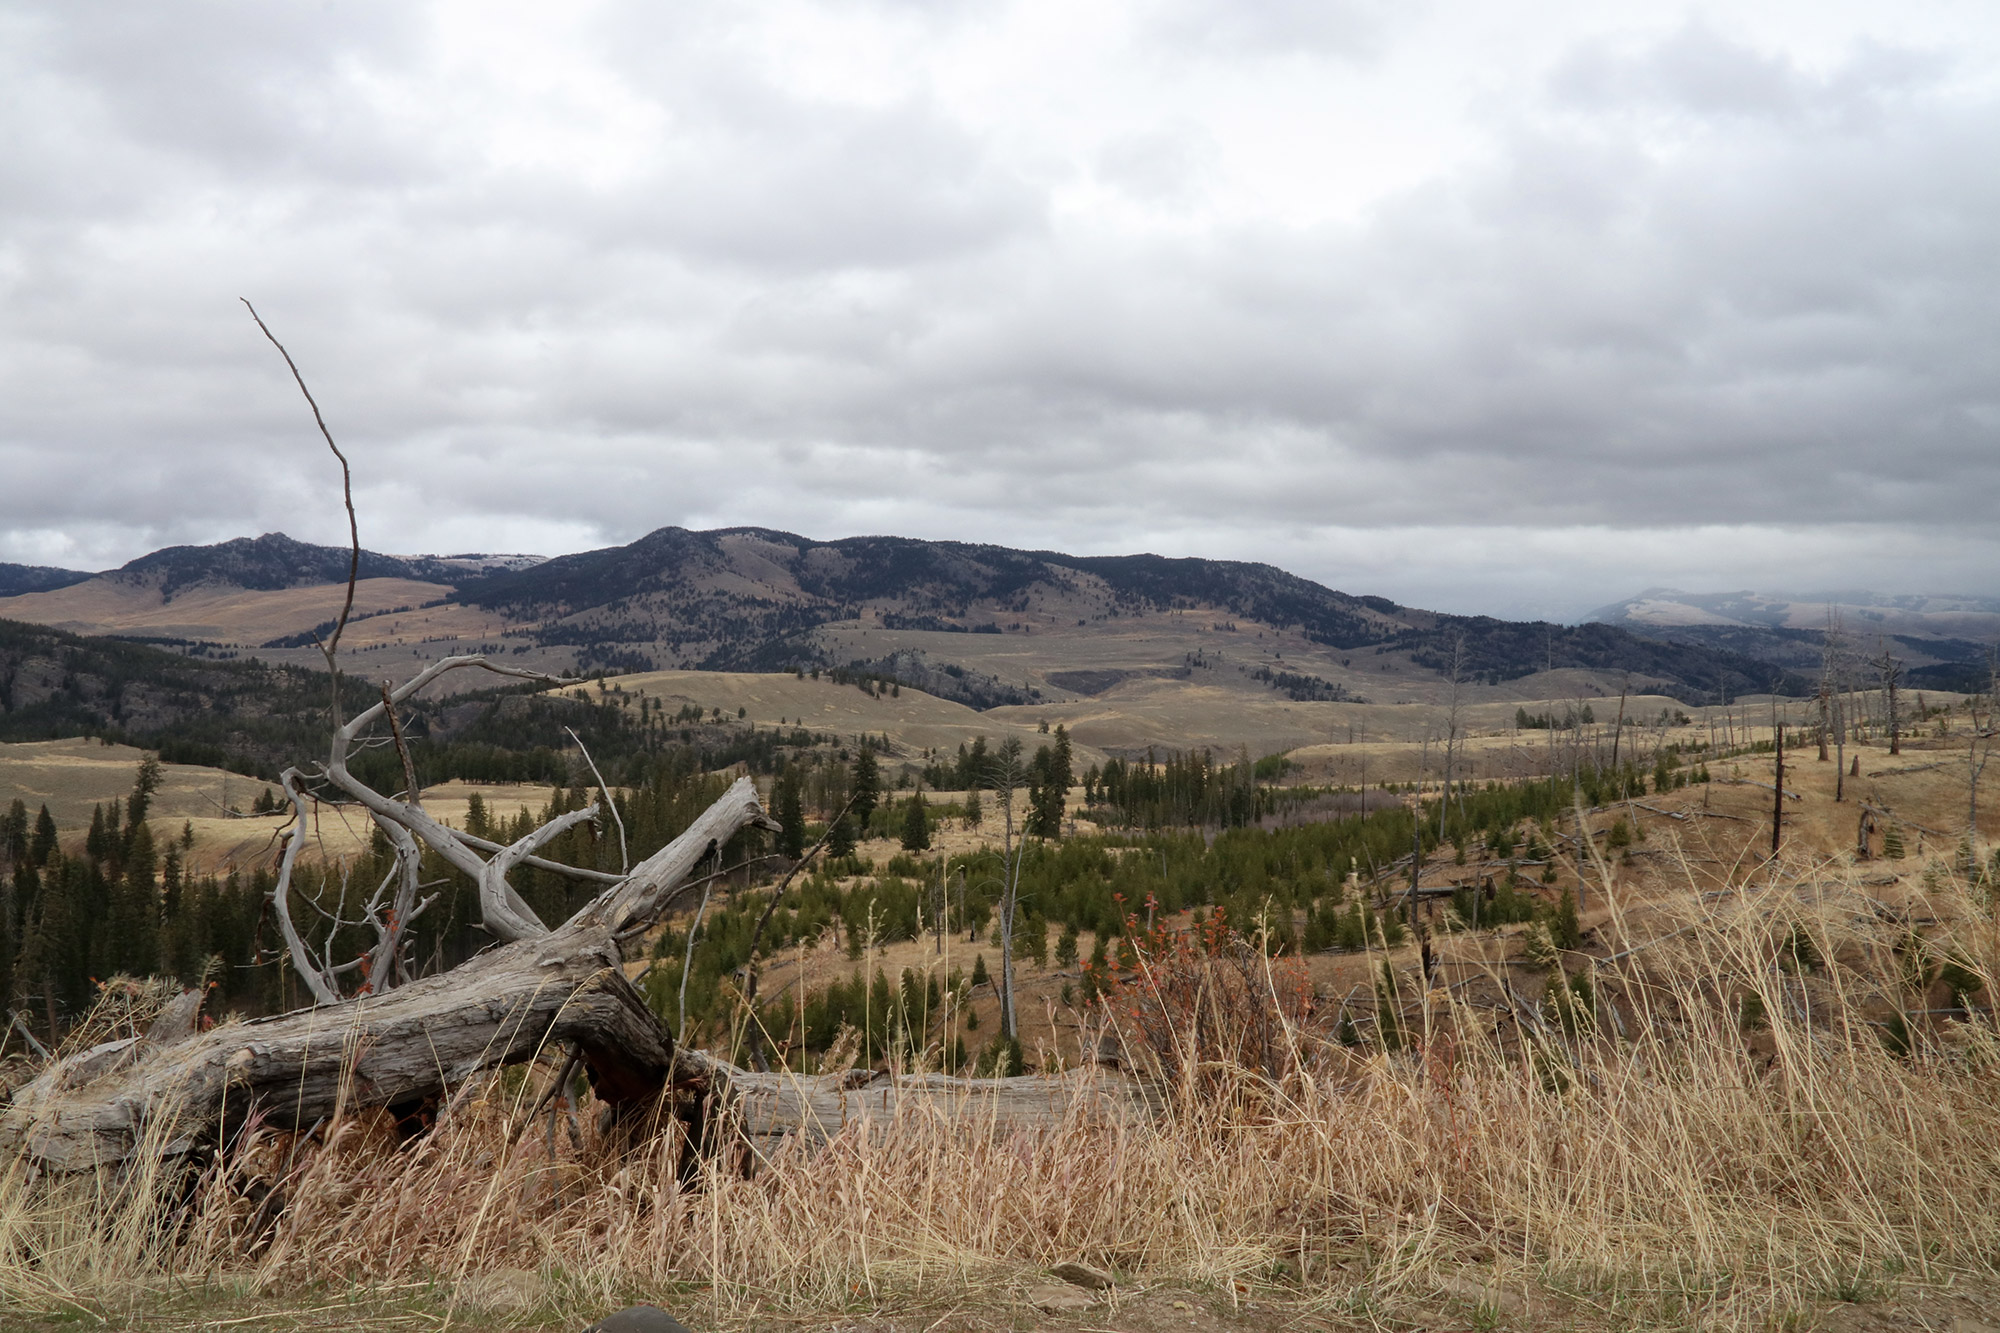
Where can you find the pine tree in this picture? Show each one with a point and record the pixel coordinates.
(170, 884)
(477, 822)
(916, 826)
(840, 839)
(137, 899)
(788, 803)
(1066, 947)
(43, 845)
(8, 891)
(144, 783)
(980, 976)
(94, 845)
(15, 840)
(1565, 932)
(867, 786)
(973, 813)
(1036, 930)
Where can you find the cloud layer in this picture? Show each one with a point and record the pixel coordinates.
(1509, 311)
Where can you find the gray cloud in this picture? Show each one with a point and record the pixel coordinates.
(1679, 307)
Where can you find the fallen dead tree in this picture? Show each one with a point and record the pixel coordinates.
(176, 1092)
(770, 1107)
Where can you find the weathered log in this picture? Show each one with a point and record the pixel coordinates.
(179, 1092)
(771, 1107)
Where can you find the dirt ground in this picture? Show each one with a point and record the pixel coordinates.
(1464, 1300)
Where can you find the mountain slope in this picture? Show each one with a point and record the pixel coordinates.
(36, 578)
(274, 561)
(979, 624)
(757, 599)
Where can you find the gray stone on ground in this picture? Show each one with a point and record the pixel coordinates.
(501, 1291)
(1052, 1299)
(1474, 1289)
(638, 1319)
(1083, 1275)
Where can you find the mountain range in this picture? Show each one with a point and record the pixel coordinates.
(1945, 640)
(985, 625)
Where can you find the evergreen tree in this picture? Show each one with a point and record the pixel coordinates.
(477, 822)
(1066, 946)
(916, 826)
(788, 802)
(135, 926)
(1060, 771)
(840, 840)
(9, 890)
(1036, 930)
(1565, 931)
(867, 786)
(94, 845)
(43, 845)
(144, 783)
(170, 884)
(973, 813)
(15, 839)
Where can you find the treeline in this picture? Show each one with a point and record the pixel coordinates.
(1304, 689)
(254, 718)
(123, 903)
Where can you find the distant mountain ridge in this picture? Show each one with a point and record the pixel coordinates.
(15, 579)
(1944, 639)
(275, 561)
(752, 599)
(267, 563)
(917, 611)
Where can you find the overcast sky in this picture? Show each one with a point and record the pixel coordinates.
(1490, 307)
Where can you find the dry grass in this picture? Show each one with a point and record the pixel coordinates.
(228, 614)
(1661, 1164)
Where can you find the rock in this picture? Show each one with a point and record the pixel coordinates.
(638, 1319)
(1475, 1290)
(1083, 1275)
(502, 1291)
(1052, 1299)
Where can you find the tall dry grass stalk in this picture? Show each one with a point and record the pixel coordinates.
(1724, 1132)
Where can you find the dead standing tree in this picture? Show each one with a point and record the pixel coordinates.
(394, 1041)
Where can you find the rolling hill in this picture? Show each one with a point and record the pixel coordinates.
(982, 625)
(1944, 641)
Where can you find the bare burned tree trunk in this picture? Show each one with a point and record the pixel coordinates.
(1979, 746)
(1833, 681)
(1777, 779)
(1451, 731)
(1891, 672)
(1007, 775)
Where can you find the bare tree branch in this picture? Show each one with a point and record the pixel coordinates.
(656, 882)
(332, 644)
(497, 898)
(624, 857)
(316, 980)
